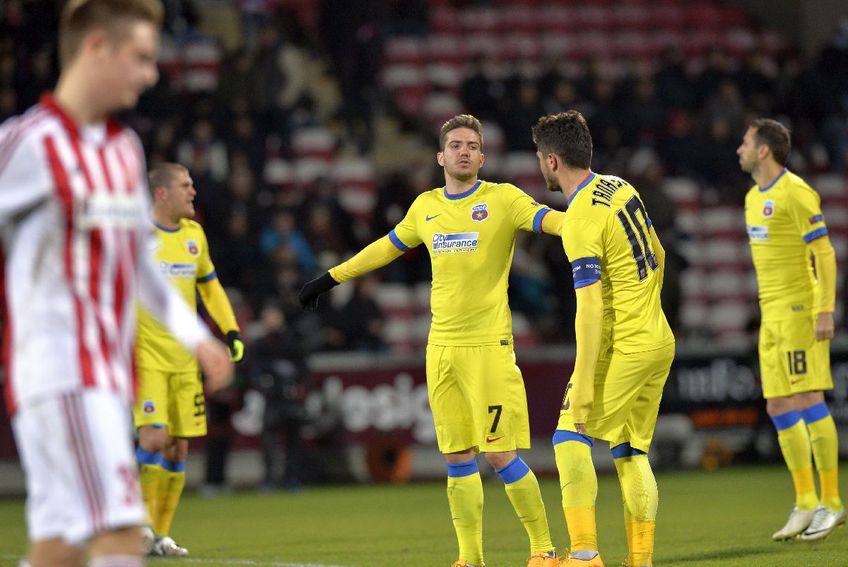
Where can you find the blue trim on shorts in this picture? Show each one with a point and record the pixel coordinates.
(463, 469)
(786, 420)
(514, 471)
(625, 450)
(815, 413)
(561, 436)
(145, 457)
(173, 466)
(156, 425)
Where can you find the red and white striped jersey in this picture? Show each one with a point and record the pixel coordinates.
(76, 233)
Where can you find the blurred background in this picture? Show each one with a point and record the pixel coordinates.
(309, 126)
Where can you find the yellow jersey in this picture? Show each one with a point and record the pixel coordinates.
(182, 255)
(606, 238)
(781, 219)
(471, 240)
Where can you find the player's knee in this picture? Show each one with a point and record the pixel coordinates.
(805, 400)
(121, 541)
(177, 449)
(500, 460)
(779, 406)
(152, 439)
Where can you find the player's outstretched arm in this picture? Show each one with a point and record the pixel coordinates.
(375, 255)
(218, 305)
(552, 222)
(825, 261)
(587, 330)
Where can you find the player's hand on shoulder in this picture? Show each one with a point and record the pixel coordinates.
(313, 289)
(214, 359)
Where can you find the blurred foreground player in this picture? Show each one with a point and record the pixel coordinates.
(796, 275)
(73, 219)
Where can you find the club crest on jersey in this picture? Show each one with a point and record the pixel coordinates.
(816, 218)
(148, 406)
(768, 209)
(192, 248)
(480, 212)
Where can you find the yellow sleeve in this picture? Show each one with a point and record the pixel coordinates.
(375, 255)
(217, 304)
(552, 222)
(659, 252)
(587, 330)
(825, 262)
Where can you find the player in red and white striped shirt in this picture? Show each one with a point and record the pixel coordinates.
(75, 232)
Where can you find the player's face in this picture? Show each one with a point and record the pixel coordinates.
(127, 66)
(748, 151)
(179, 196)
(463, 155)
(550, 178)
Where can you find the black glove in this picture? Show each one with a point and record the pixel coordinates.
(310, 291)
(236, 346)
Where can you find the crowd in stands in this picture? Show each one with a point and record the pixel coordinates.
(302, 152)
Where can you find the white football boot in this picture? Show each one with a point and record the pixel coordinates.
(167, 547)
(148, 540)
(799, 520)
(824, 522)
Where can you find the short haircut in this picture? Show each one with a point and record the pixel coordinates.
(80, 17)
(163, 175)
(774, 135)
(567, 135)
(460, 121)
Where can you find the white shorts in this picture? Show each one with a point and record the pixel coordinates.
(77, 452)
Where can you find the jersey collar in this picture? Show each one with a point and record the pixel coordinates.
(48, 101)
(166, 229)
(776, 179)
(583, 184)
(463, 194)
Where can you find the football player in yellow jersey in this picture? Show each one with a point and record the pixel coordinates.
(476, 391)
(624, 343)
(796, 274)
(170, 406)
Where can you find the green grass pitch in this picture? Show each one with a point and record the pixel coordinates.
(723, 519)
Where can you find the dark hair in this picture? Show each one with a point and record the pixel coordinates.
(567, 135)
(163, 174)
(774, 135)
(80, 17)
(460, 121)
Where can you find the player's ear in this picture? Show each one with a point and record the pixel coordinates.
(553, 161)
(482, 159)
(440, 158)
(96, 41)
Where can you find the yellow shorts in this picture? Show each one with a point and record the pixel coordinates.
(792, 360)
(173, 400)
(628, 389)
(477, 398)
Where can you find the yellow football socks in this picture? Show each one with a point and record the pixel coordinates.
(639, 492)
(171, 484)
(823, 438)
(522, 489)
(465, 497)
(579, 485)
(795, 445)
(148, 476)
